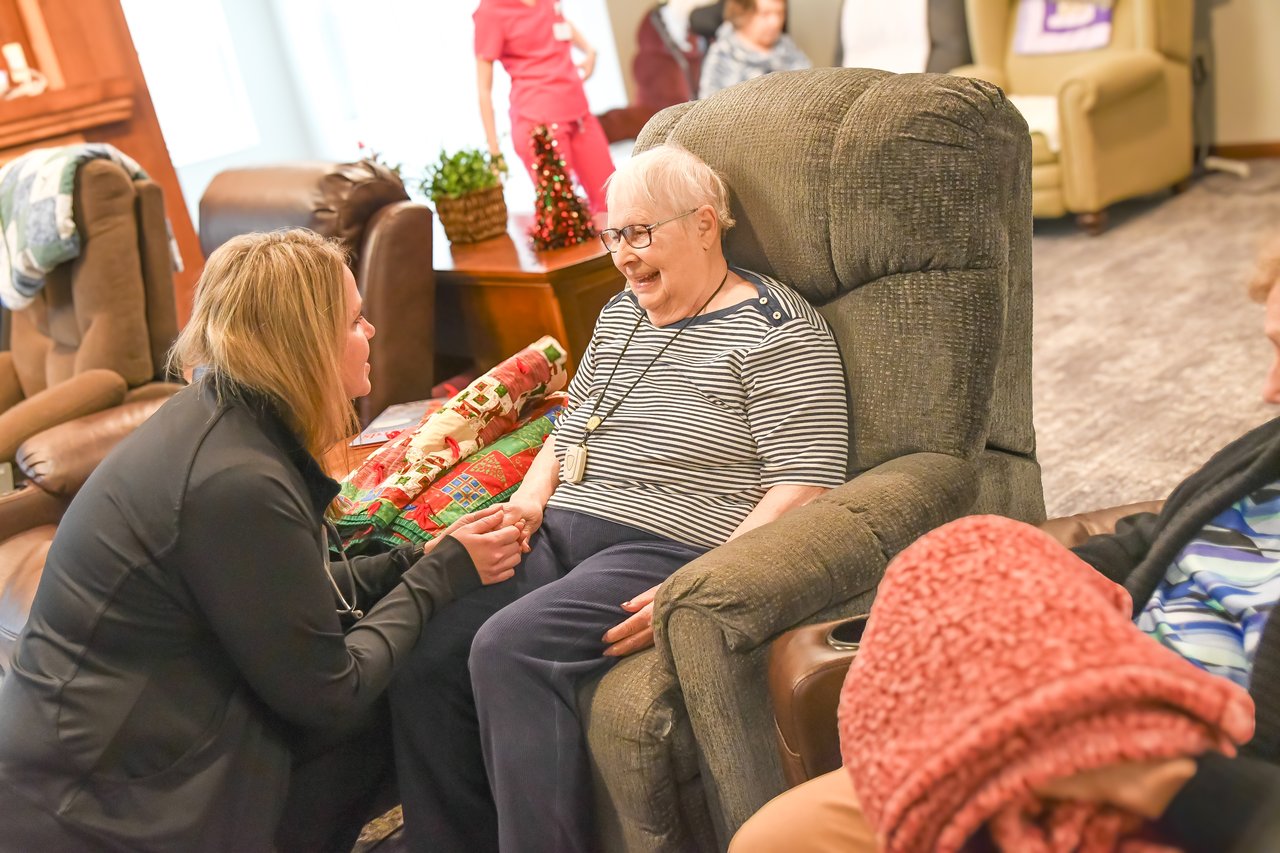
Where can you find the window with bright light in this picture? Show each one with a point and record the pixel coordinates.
(194, 79)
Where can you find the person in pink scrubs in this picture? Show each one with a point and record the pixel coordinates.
(532, 39)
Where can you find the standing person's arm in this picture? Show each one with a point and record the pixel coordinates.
(490, 41)
(1213, 804)
(484, 85)
(588, 63)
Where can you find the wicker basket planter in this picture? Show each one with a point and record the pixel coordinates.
(474, 216)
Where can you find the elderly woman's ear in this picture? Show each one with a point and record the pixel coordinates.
(708, 226)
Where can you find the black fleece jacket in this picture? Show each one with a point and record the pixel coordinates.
(184, 632)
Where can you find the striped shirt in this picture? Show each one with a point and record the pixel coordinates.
(748, 397)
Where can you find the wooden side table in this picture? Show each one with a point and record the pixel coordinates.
(496, 297)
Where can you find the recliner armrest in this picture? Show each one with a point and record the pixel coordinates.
(28, 507)
(1110, 79)
(777, 576)
(59, 460)
(1072, 530)
(82, 394)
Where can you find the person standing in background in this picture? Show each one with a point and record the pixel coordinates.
(531, 38)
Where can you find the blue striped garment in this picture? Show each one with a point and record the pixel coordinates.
(1215, 598)
(746, 398)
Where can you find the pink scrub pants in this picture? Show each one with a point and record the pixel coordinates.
(584, 148)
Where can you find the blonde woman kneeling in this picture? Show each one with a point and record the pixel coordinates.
(195, 675)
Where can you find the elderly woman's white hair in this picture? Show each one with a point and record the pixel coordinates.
(670, 178)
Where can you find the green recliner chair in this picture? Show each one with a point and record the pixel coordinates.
(900, 205)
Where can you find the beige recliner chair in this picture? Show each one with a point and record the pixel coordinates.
(98, 331)
(1123, 112)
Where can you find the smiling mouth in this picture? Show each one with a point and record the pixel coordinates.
(647, 278)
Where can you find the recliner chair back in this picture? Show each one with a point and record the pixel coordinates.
(389, 238)
(113, 306)
(882, 215)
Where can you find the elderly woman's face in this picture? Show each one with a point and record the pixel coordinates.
(764, 27)
(664, 276)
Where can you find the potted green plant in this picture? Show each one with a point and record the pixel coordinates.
(466, 188)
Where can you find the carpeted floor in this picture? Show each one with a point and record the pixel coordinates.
(1149, 357)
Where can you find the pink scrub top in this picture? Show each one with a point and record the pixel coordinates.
(545, 86)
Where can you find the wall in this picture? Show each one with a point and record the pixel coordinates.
(1247, 82)
(229, 63)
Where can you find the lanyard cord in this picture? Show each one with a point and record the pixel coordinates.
(595, 421)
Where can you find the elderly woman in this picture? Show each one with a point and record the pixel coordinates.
(710, 401)
(750, 43)
(194, 674)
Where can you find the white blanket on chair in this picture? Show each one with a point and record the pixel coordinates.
(1041, 113)
(892, 35)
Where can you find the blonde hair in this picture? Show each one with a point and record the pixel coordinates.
(671, 178)
(1267, 272)
(269, 316)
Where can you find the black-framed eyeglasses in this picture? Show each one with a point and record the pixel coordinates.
(637, 236)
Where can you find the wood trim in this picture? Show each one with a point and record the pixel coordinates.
(44, 58)
(30, 120)
(1248, 151)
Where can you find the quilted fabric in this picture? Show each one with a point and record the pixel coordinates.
(486, 477)
(375, 493)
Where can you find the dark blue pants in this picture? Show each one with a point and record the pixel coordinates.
(487, 708)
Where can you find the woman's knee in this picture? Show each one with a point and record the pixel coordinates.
(495, 650)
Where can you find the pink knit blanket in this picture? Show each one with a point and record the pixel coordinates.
(996, 660)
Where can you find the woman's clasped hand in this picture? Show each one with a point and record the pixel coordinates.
(493, 540)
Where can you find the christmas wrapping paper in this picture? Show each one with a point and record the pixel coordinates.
(376, 492)
(484, 478)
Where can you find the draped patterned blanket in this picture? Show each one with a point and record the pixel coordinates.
(38, 218)
(995, 660)
(486, 477)
(375, 494)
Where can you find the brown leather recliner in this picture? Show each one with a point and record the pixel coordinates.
(56, 463)
(365, 206)
(807, 670)
(99, 330)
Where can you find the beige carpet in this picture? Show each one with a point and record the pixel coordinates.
(1148, 355)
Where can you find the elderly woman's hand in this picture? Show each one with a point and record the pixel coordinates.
(492, 543)
(528, 513)
(636, 632)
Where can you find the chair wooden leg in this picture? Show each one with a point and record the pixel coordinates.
(1092, 224)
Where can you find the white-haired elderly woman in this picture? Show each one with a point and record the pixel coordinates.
(710, 401)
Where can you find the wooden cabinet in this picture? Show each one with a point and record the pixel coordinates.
(495, 297)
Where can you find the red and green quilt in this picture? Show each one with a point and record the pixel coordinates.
(379, 491)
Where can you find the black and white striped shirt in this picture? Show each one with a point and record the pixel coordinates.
(748, 397)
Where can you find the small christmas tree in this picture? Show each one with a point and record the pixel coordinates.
(561, 217)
